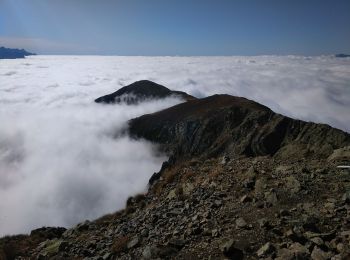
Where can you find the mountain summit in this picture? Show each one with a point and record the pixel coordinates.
(140, 91)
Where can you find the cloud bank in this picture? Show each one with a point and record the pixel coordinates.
(60, 162)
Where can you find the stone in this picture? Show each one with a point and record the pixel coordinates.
(68, 233)
(230, 251)
(340, 247)
(217, 204)
(345, 234)
(166, 252)
(241, 223)
(83, 226)
(187, 188)
(330, 206)
(177, 243)
(295, 236)
(292, 184)
(317, 241)
(171, 194)
(260, 185)
(310, 223)
(133, 242)
(285, 254)
(215, 232)
(271, 197)
(107, 256)
(245, 199)
(299, 251)
(52, 247)
(325, 236)
(346, 197)
(250, 177)
(319, 254)
(148, 252)
(340, 154)
(225, 160)
(283, 169)
(251, 173)
(264, 223)
(48, 232)
(265, 250)
(284, 213)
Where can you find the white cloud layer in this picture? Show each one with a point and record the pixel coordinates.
(59, 162)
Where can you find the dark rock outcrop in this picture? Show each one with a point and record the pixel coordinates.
(342, 55)
(140, 91)
(7, 53)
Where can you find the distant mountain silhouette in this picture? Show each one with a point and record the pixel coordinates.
(7, 53)
(342, 55)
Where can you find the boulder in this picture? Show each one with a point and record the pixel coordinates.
(230, 251)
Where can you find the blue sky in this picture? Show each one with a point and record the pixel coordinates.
(177, 27)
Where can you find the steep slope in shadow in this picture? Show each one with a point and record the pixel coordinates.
(222, 124)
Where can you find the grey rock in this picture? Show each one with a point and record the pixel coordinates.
(230, 251)
(83, 226)
(148, 252)
(346, 197)
(133, 243)
(271, 197)
(53, 247)
(265, 250)
(225, 160)
(177, 243)
(319, 254)
(317, 241)
(264, 223)
(187, 188)
(241, 223)
(245, 198)
(171, 194)
(107, 256)
(299, 251)
(260, 185)
(292, 184)
(340, 154)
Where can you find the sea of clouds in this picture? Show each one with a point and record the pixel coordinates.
(61, 158)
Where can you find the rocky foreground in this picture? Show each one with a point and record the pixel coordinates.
(241, 182)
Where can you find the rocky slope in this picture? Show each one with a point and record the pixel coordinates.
(222, 124)
(242, 182)
(140, 91)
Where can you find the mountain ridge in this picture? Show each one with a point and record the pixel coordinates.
(261, 124)
(241, 182)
